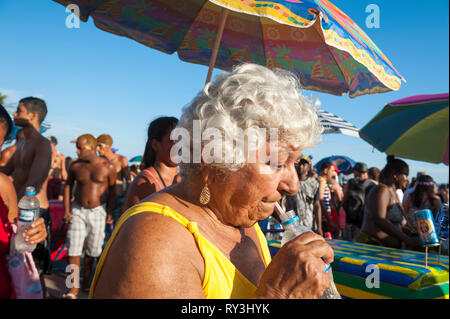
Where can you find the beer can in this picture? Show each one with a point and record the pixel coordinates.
(442, 222)
(425, 228)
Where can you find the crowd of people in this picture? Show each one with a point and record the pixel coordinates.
(194, 226)
(374, 207)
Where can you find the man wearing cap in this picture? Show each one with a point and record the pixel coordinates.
(306, 202)
(354, 197)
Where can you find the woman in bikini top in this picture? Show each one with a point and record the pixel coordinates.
(159, 171)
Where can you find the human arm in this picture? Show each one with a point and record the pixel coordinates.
(111, 198)
(436, 204)
(8, 166)
(68, 194)
(9, 197)
(164, 263)
(126, 172)
(140, 188)
(37, 233)
(317, 211)
(63, 168)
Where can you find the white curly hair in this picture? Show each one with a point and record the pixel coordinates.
(250, 97)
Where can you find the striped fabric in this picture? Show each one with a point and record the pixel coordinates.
(334, 124)
(364, 271)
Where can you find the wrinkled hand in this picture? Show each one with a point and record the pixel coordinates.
(298, 270)
(37, 233)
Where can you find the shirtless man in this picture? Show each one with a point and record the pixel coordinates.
(58, 173)
(30, 164)
(104, 143)
(95, 178)
(8, 152)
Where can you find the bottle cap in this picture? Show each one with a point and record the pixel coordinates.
(30, 190)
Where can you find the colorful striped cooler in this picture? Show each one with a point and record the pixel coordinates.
(364, 271)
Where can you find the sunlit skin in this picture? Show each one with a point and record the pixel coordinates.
(238, 200)
(37, 232)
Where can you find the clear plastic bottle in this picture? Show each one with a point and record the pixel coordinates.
(28, 212)
(293, 228)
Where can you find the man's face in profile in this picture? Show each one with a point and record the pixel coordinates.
(21, 116)
(102, 148)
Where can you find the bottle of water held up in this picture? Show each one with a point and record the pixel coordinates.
(28, 212)
(293, 228)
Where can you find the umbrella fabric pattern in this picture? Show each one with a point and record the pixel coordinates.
(136, 159)
(311, 38)
(414, 128)
(334, 124)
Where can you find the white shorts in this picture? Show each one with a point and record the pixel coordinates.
(87, 227)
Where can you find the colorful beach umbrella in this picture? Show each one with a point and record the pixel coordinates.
(136, 159)
(344, 163)
(311, 38)
(414, 128)
(334, 124)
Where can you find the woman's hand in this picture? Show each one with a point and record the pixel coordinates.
(37, 233)
(298, 270)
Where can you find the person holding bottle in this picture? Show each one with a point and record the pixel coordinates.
(8, 216)
(200, 238)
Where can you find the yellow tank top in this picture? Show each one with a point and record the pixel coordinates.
(221, 279)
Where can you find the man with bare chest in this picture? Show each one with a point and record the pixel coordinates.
(95, 179)
(30, 164)
(123, 181)
(57, 174)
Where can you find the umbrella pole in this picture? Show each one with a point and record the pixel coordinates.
(212, 62)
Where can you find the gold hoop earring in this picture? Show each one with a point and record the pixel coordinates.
(205, 195)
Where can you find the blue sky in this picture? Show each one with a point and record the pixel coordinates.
(96, 82)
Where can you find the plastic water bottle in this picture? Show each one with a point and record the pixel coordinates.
(29, 208)
(293, 228)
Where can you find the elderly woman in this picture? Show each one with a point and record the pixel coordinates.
(200, 238)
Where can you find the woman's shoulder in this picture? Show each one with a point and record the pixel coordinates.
(6, 186)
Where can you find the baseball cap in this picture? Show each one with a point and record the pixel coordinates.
(361, 167)
(306, 159)
(335, 167)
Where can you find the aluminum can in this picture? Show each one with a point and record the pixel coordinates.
(426, 228)
(441, 222)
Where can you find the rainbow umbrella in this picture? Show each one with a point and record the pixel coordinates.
(311, 38)
(414, 128)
